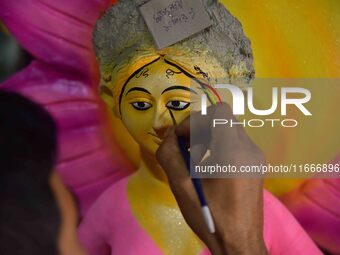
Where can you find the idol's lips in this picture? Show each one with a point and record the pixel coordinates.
(158, 140)
(153, 134)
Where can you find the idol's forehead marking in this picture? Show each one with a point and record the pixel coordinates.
(158, 66)
(143, 73)
(169, 72)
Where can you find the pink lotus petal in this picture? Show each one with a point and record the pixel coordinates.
(89, 158)
(315, 204)
(56, 32)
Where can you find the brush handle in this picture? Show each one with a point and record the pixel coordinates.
(197, 183)
(198, 187)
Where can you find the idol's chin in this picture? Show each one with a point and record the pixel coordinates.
(150, 149)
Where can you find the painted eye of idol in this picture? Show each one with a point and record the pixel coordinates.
(173, 105)
(177, 105)
(142, 105)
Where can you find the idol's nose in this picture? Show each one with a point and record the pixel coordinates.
(161, 122)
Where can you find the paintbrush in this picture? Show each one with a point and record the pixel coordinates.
(196, 181)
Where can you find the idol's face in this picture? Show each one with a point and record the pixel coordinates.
(156, 98)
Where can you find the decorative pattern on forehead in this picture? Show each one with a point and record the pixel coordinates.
(210, 92)
(169, 72)
(143, 73)
(134, 74)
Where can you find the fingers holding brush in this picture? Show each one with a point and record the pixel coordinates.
(234, 202)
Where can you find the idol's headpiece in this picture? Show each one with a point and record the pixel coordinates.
(123, 44)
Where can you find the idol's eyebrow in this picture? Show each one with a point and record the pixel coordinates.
(138, 89)
(179, 87)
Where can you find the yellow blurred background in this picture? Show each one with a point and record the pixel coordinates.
(296, 39)
(292, 38)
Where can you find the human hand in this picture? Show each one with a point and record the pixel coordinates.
(70, 245)
(68, 242)
(236, 204)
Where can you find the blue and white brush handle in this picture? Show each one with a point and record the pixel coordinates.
(198, 187)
